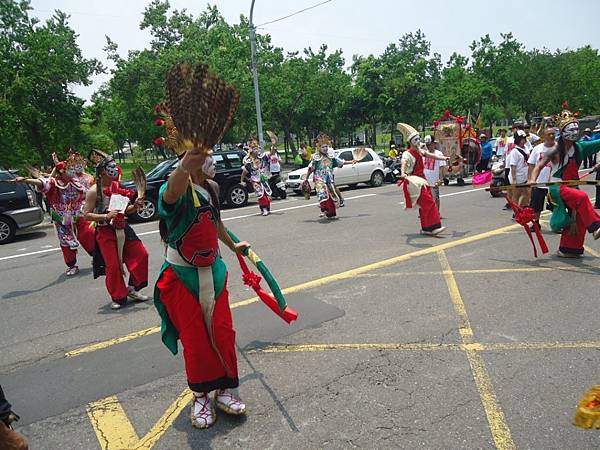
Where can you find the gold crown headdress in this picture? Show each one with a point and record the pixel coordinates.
(76, 159)
(199, 107)
(565, 117)
(322, 139)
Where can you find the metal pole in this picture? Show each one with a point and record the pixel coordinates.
(259, 124)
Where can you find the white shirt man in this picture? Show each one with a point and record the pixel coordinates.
(517, 161)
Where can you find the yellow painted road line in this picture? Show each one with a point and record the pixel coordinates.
(313, 283)
(165, 422)
(541, 345)
(591, 251)
(293, 348)
(478, 271)
(495, 417)
(111, 425)
(115, 432)
(465, 327)
(400, 346)
(136, 334)
(108, 343)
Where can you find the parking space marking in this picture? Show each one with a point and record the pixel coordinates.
(352, 273)
(459, 307)
(295, 348)
(495, 417)
(115, 431)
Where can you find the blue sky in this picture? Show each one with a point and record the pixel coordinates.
(357, 27)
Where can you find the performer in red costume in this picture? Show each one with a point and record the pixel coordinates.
(414, 183)
(116, 243)
(66, 195)
(565, 160)
(191, 293)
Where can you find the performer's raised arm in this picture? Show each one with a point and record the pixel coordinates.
(178, 181)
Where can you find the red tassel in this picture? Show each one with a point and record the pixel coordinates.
(525, 216)
(253, 280)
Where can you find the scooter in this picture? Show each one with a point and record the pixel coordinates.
(391, 169)
(277, 186)
(498, 178)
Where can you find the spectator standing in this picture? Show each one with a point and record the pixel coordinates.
(434, 169)
(486, 153)
(538, 194)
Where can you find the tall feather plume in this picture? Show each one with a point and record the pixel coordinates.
(201, 104)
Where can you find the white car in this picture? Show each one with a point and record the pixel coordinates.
(369, 170)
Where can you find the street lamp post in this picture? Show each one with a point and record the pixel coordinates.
(259, 124)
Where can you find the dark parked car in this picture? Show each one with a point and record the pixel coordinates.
(18, 207)
(229, 171)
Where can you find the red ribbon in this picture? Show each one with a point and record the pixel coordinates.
(253, 280)
(525, 216)
(403, 183)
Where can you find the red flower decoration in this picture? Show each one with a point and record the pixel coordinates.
(565, 105)
(467, 126)
(159, 122)
(157, 108)
(436, 123)
(446, 114)
(159, 141)
(460, 119)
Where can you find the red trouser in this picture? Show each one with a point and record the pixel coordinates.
(587, 219)
(264, 202)
(428, 212)
(207, 367)
(135, 258)
(328, 207)
(85, 236)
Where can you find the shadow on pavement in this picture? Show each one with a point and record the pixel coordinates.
(61, 279)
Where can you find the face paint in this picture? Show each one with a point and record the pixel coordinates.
(209, 167)
(111, 170)
(71, 172)
(415, 141)
(571, 132)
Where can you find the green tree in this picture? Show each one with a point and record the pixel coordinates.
(40, 65)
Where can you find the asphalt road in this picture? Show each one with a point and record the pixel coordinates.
(404, 341)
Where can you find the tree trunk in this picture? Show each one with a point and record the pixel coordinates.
(288, 138)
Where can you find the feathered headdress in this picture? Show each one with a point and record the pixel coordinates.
(273, 138)
(198, 109)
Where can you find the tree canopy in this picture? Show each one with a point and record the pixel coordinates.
(302, 93)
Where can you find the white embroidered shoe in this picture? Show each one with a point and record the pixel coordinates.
(227, 402)
(72, 271)
(597, 234)
(137, 296)
(115, 305)
(203, 413)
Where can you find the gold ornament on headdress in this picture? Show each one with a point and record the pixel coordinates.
(588, 409)
(201, 106)
(564, 118)
(407, 131)
(322, 139)
(76, 159)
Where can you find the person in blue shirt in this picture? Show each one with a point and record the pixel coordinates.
(486, 153)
